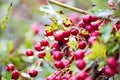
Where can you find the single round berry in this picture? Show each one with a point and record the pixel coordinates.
(59, 64)
(87, 19)
(33, 73)
(10, 67)
(57, 55)
(41, 54)
(82, 44)
(74, 31)
(38, 47)
(48, 33)
(81, 75)
(89, 28)
(15, 74)
(44, 42)
(66, 33)
(82, 24)
(112, 62)
(59, 36)
(80, 64)
(94, 18)
(108, 71)
(79, 54)
(56, 45)
(29, 52)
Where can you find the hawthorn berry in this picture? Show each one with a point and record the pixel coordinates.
(29, 52)
(112, 62)
(80, 64)
(79, 54)
(44, 42)
(87, 19)
(74, 31)
(59, 36)
(57, 55)
(38, 47)
(33, 73)
(15, 74)
(41, 54)
(10, 67)
(82, 44)
(59, 64)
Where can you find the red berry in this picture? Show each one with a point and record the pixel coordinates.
(33, 73)
(41, 54)
(108, 71)
(58, 77)
(10, 67)
(51, 78)
(94, 18)
(57, 55)
(112, 62)
(15, 74)
(80, 64)
(82, 24)
(95, 33)
(74, 31)
(63, 1)
(29, 52)
(48, 33)
(38, 47)
(66, 33)
(44, 42)
(56, 45)
(92, 39)
(82, 44)
(59, 36)
(87, 19)
(79, 54)
(89, 28)
(81, 75)
(88, 78)
(59, 64)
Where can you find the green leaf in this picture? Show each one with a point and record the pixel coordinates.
(98, 51)
(5, 19)
(9, 75)
(73, 44)
(106, 31)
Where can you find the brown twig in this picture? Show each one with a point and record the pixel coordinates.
(69, 7)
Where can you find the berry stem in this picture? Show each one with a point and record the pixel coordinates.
(69, 7)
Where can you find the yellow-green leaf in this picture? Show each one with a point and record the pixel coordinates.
(5, 18)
